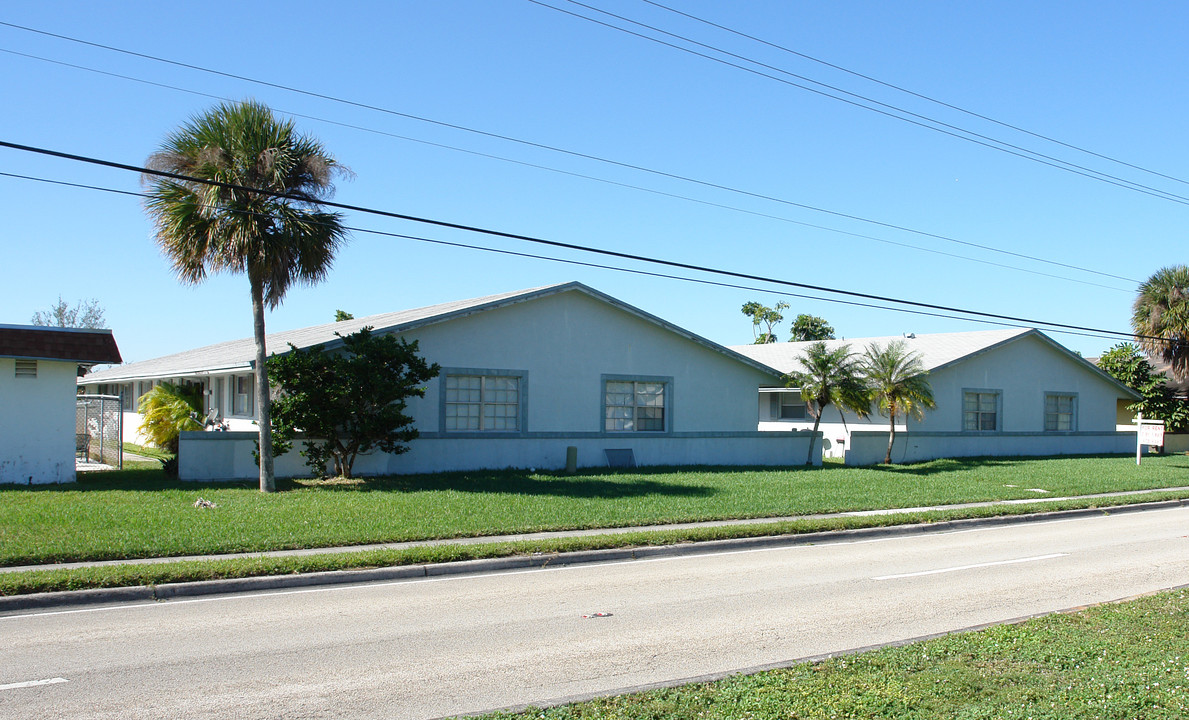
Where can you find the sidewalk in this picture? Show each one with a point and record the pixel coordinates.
(580, 533)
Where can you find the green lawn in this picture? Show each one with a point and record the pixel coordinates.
(1116, 662)
(137, 513)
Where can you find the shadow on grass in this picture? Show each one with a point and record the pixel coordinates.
(514, 482)
(949, 465)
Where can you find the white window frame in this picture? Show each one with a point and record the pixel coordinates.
(493, 403)
(794, 400)
(979, 412)
(1056, 412)
(248, 408)
(613, 387)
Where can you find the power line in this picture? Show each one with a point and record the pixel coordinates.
(913, 93)
(528, 143)
(570, 173)
(938, 126)
(553, 243)
(1109, 335)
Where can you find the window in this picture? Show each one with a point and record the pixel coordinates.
(242, 397)
(1060, 412)
(792, 407)
(634, 405)
(482, 403)
(26, 368)
(126, 397)
(980, 411)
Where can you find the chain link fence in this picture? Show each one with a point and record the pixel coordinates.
(98, 430)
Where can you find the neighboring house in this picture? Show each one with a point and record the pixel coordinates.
(38, 369)
(998, 392)
(525, 375)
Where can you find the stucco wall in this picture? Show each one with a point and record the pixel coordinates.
(566, 342)
(228, 455)
(1023, 371)
(868, 447)
(37, 423)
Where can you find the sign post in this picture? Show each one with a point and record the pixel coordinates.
(1148, 432)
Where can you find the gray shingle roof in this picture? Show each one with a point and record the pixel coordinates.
(240, 354)
(936, 350)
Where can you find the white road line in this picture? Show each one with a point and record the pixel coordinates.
(970, 567)
(32, 683)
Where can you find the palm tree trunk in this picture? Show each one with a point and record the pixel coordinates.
(817, 420)
(887, 459)
(268, 481)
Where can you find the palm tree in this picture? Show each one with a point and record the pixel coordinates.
(276, 237)
(1160, 317)
(899, 383)
(829, 377)
(168, 409)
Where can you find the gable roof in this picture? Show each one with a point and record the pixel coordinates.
(240, 355)
(36, 342)
(937, 350)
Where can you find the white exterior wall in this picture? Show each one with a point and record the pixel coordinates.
(37, 418)
(561, 346)
(1023, 371)
(868, 447)
(211, 456)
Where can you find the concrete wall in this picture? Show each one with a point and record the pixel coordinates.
(868, 447)
(208, 456)
(565, 343)
(1022, 371)
(37, 423)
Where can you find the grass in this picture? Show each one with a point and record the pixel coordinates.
(1120, 661)
(109, 576)
(138, 513)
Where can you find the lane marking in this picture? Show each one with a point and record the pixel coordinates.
(33, 683)
(970, 567)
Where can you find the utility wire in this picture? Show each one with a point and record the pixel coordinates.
(1109, 335)
(913, 93)
(593, 178)
(549, 243)
(922, 121)
(564, 151)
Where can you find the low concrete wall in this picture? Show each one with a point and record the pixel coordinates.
(1178, 443)
(868, 446)
(209, 456)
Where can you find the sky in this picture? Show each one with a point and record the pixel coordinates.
(527, 118)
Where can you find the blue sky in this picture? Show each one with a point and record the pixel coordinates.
(1100, 76)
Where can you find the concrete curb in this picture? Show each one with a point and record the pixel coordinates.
(170, 591)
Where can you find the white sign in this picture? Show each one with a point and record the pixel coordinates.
(1152, 434)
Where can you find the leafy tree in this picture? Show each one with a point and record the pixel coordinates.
(348, 401)
(276, 237)
(84, 314)
(829, 377)
(341, 315)
(168, 409)
(1160, 317)
(810, 327)
(899, 383)
(766, 316)
(1126, 363)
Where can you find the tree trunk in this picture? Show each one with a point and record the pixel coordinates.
(268, 481)
(817, 420)
(887, 459)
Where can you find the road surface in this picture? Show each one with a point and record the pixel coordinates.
(432, 647)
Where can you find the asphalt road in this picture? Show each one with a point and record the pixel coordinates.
(431, 647)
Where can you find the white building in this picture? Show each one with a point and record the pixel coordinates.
(525, 376)
(998, 392)
(38, 370)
